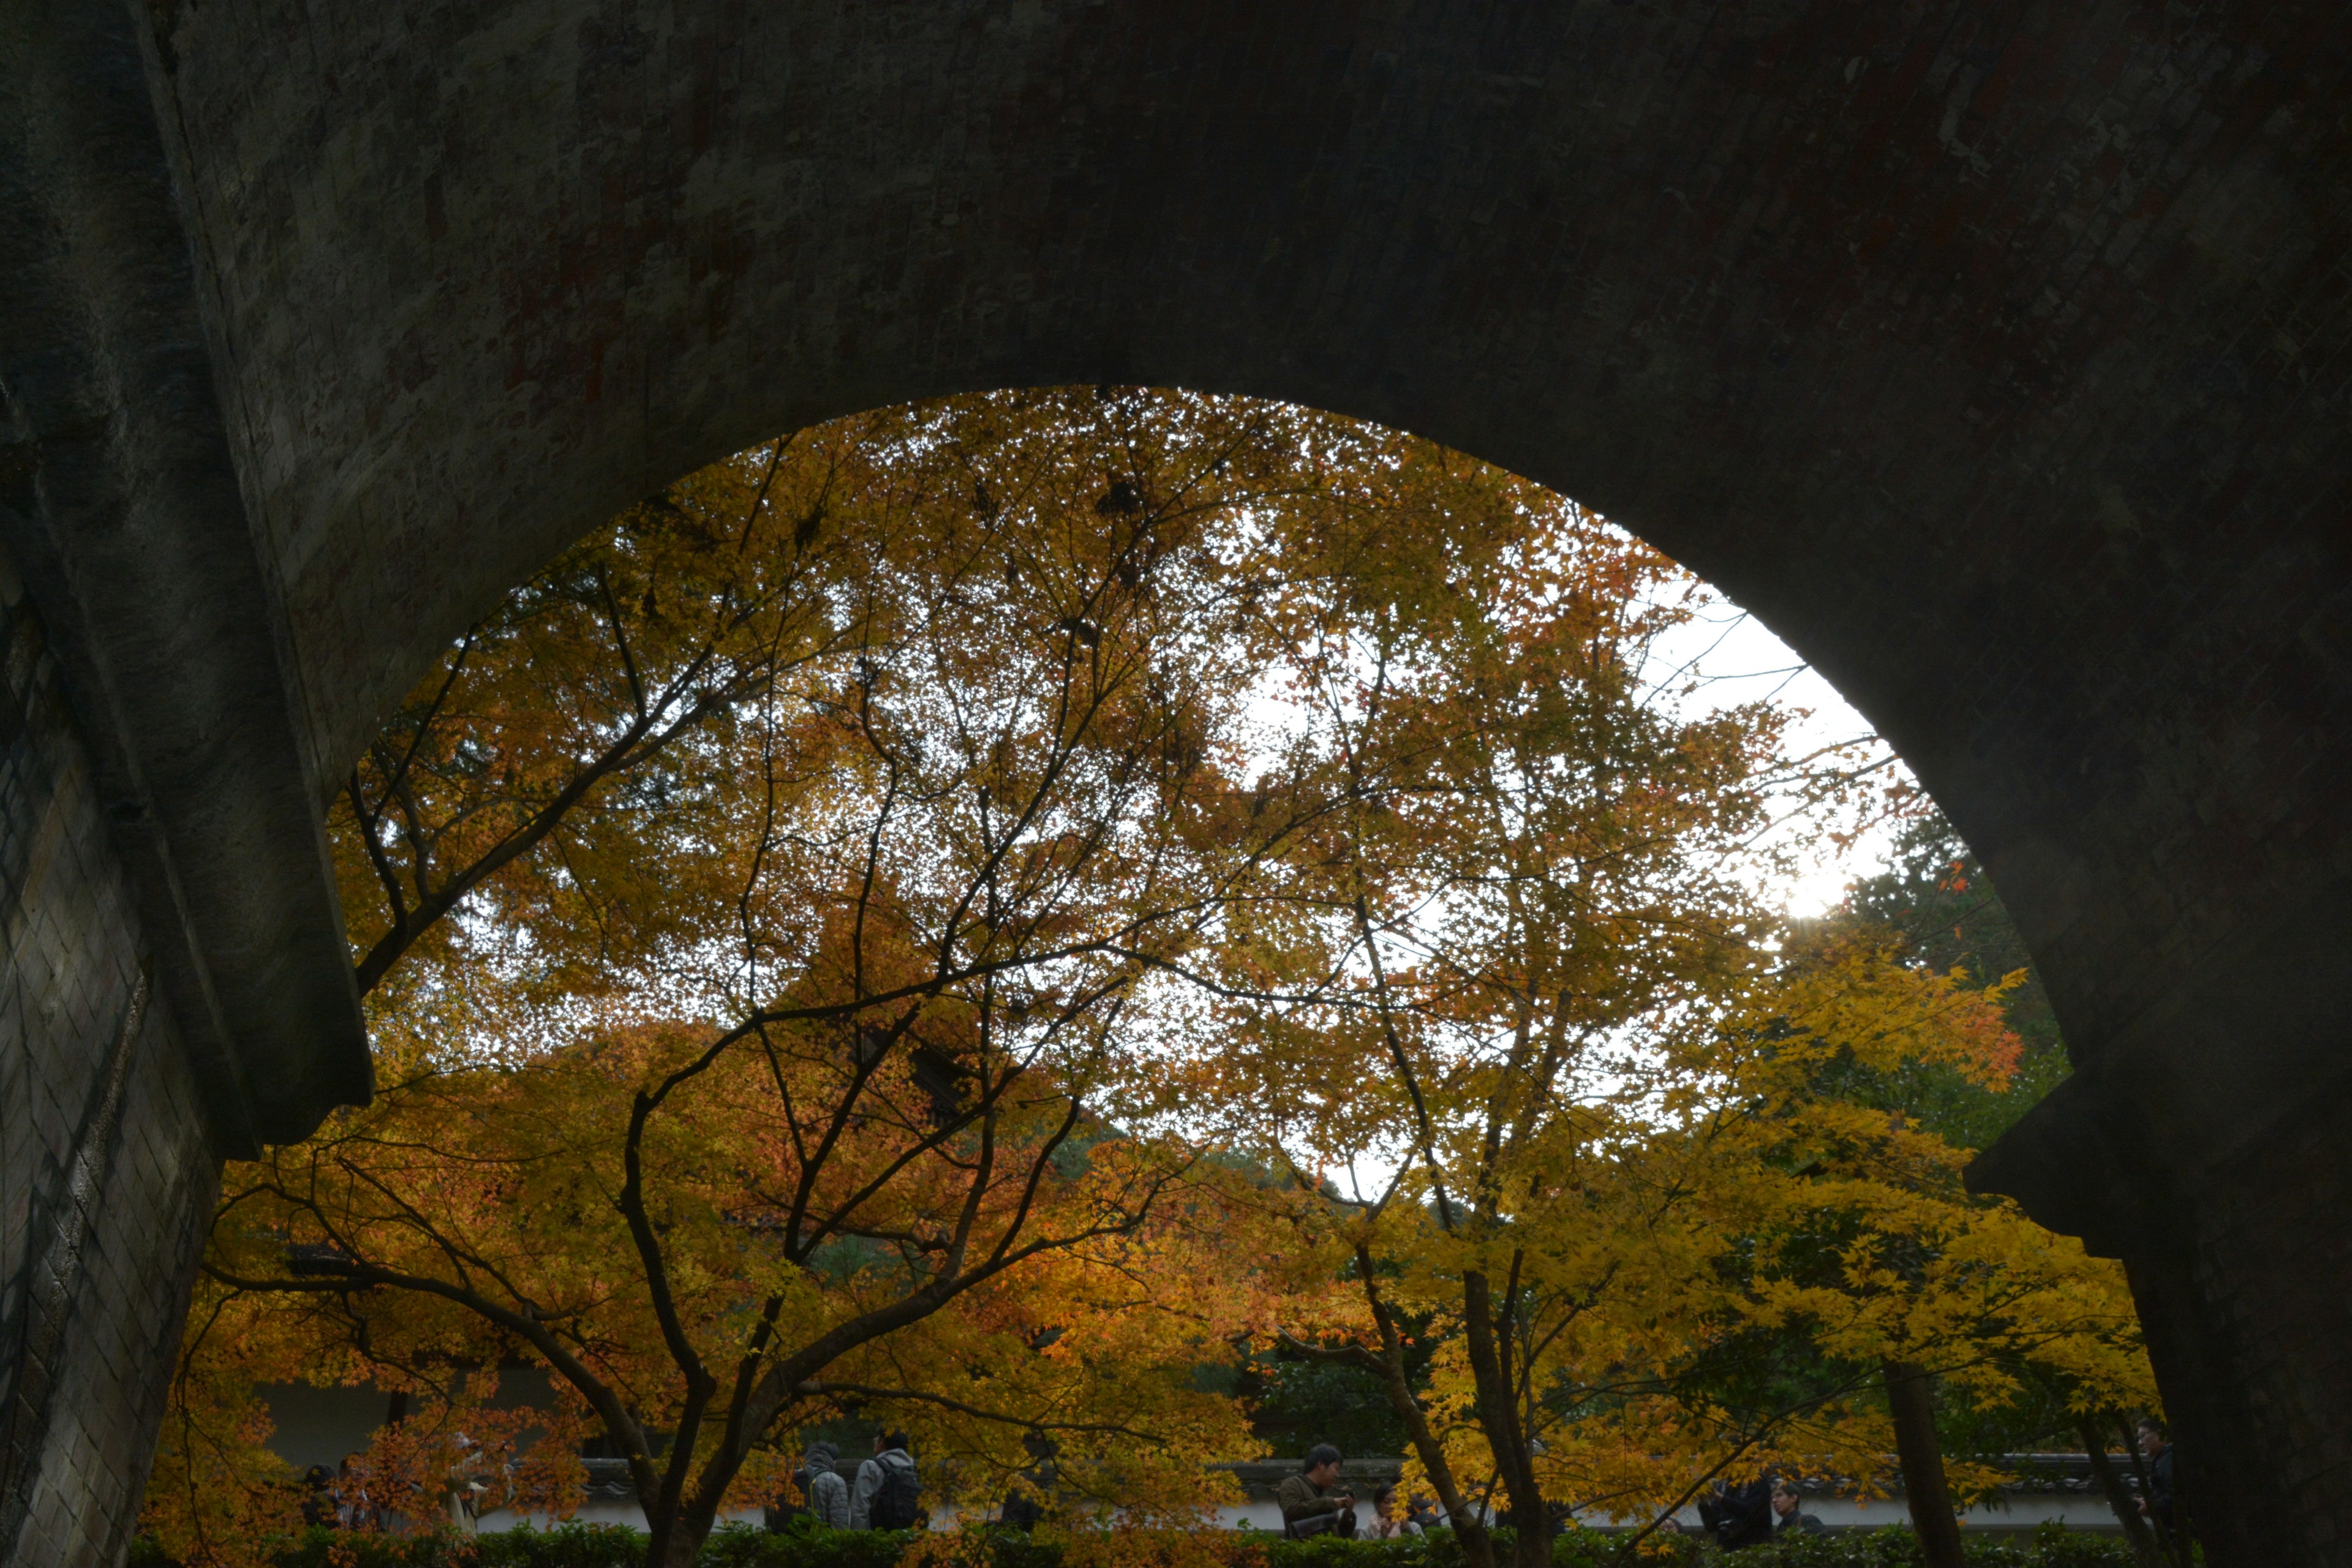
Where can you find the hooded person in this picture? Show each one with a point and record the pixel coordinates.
(887, 1489)
(1025, 1505)
(821, 1483)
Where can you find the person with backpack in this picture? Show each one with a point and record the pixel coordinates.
(888, 1492)
(318, 1495)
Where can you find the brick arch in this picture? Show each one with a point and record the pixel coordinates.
(1988, 351)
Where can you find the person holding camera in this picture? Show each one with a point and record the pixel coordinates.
(1313, 1502)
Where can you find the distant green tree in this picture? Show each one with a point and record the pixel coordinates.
(1301, 1403)
(1298, 1401)
(1934, 893)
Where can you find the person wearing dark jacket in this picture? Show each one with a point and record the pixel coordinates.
(1740, 1516)
(1024, 1504)
(1312, 1501)
(318, 1495)
(1787, 1518)
(1020, 1510)
(884, 1498)
(2156, 1448)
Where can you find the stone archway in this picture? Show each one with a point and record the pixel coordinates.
(1988, 351)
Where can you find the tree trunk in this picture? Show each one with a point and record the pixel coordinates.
(2119, 1496)
(675, 1545)
(1469, 1527)
(1498, 1417)
(1911, 1395)
(677, 1541)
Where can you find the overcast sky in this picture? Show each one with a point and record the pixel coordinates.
(1736, 660)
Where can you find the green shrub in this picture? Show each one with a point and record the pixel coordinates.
(804, 1545)
(1601, 1549)
(565, 1546)
(1437, 1551)
(2052, 1546)
(321, 1547)
(800, 1544)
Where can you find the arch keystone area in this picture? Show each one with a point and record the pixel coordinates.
(1994, 354)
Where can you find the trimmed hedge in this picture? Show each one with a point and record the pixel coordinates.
(2052, 1546)
(806, 1545)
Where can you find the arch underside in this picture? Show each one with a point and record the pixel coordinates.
(1990, 352)
(1987, 351)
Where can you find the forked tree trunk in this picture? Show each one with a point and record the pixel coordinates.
(1498, 1419)
(677, 1540)
(1911, 1395)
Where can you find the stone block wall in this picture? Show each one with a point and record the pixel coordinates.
(2246, 1310)
(107, 1173)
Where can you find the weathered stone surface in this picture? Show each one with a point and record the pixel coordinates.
(1987, 350)
(120, 500)
(2246, 1310)
(106, 1173)
(1991, 350)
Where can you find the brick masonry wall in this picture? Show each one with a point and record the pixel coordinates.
(2247, 1325)
(107, 1176)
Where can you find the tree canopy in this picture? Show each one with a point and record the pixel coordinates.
(992, 914)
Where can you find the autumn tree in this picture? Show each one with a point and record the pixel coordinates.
(1932, 913)
(1879, 1256)
(823, 936)
(784, 923)
(1935, 901)
(1520, 854)
(758, 912)
(1513, 973)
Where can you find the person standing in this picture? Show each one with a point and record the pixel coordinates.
(317, 1496)
(889, 1494)
(354, 1510)
(821, 1484)
(1389, 1519)
(2155, 1447)
(1739, 1516)
(1787, 1519)
(1024, 1504)
(1312, 1501)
